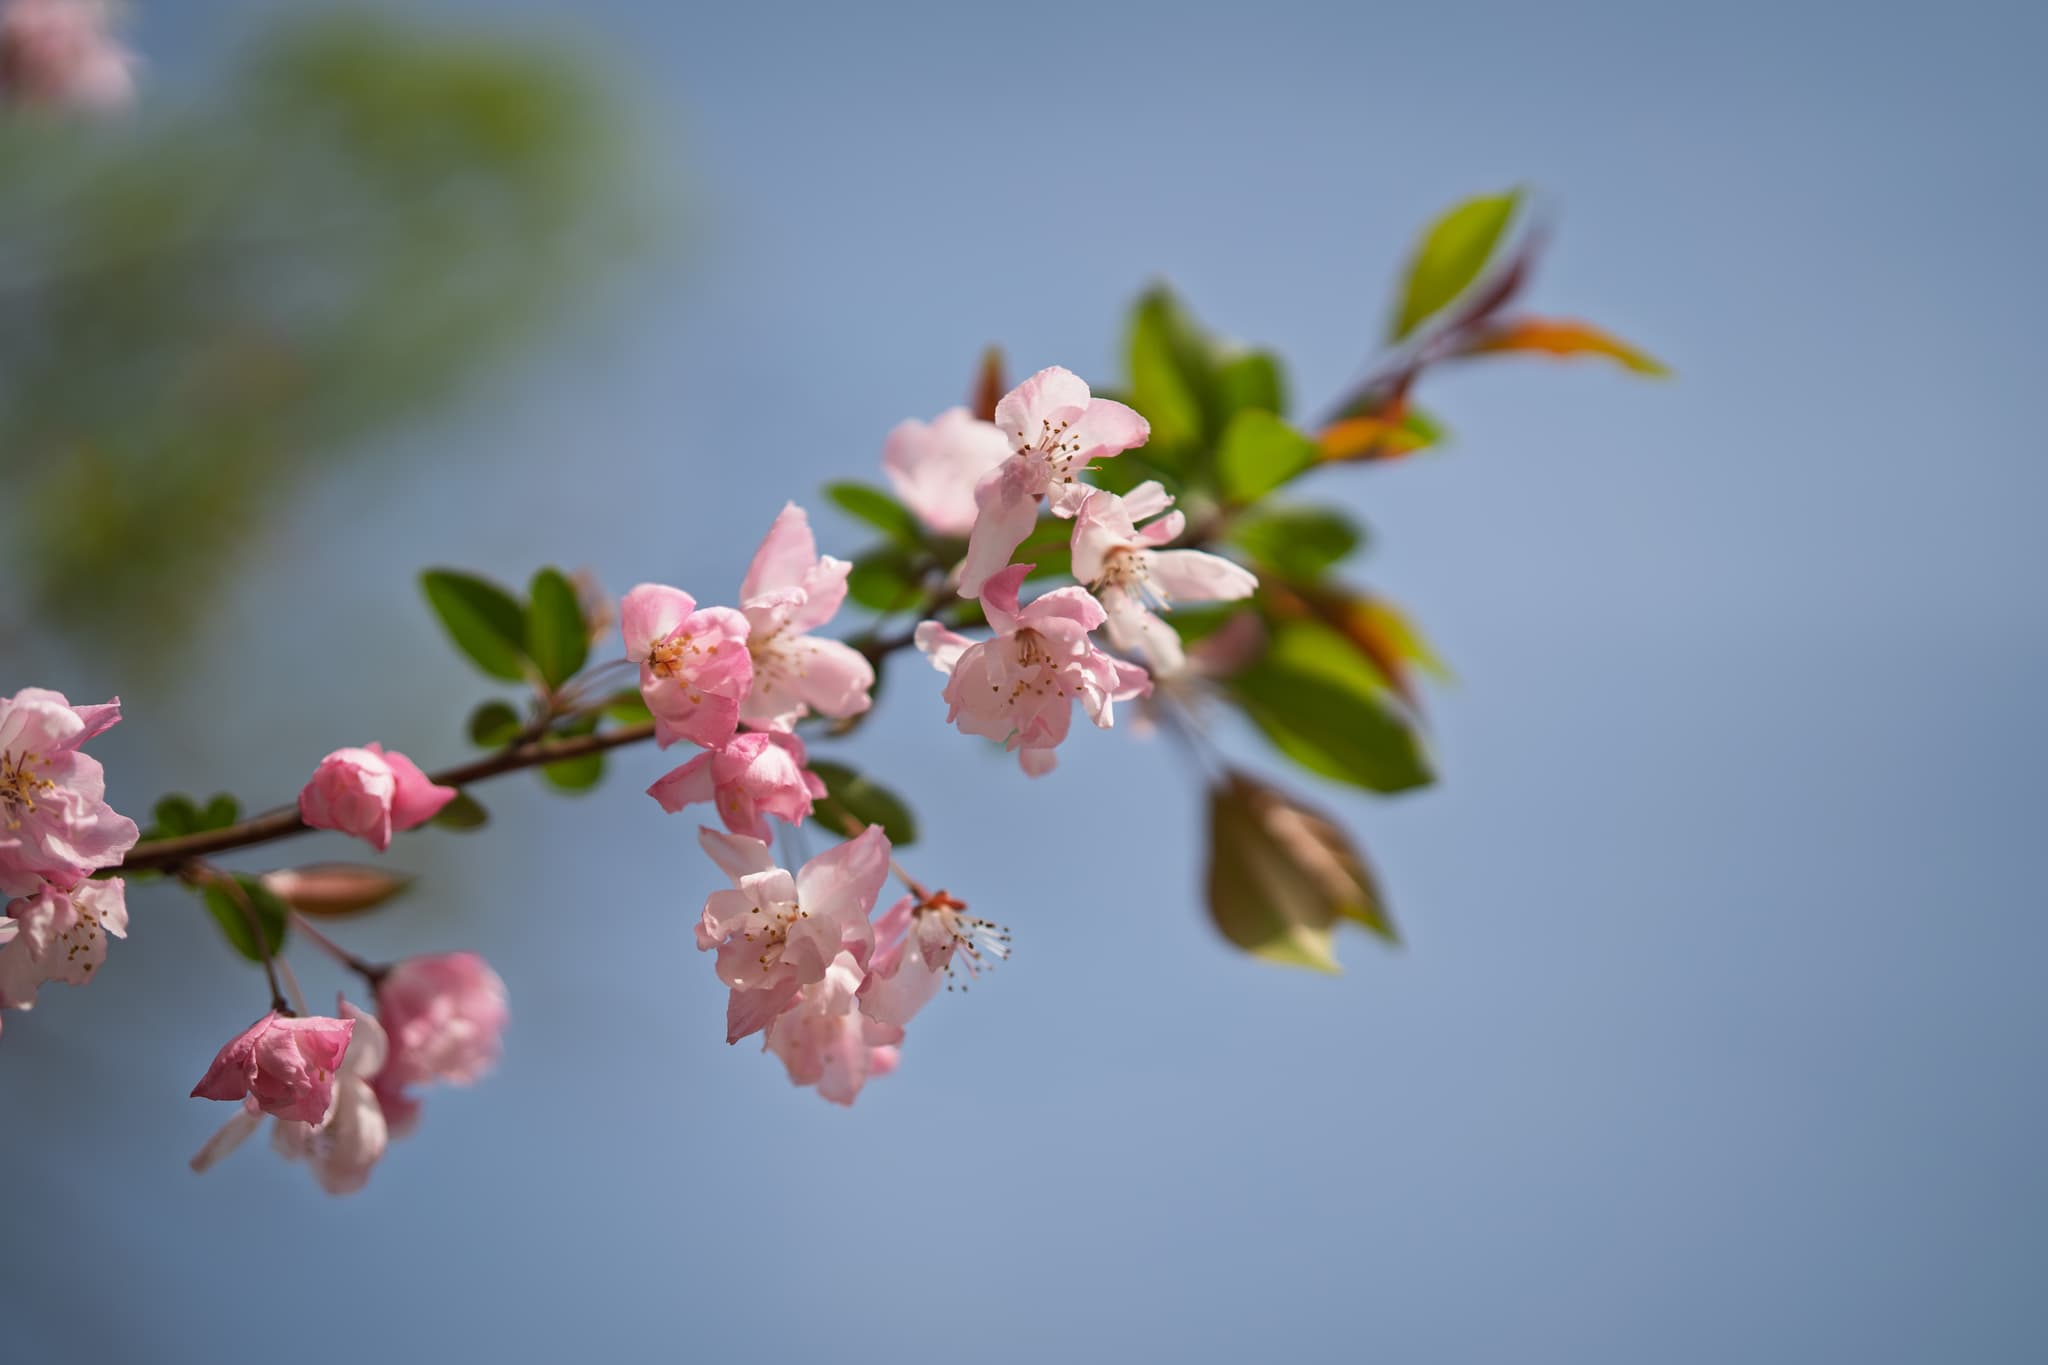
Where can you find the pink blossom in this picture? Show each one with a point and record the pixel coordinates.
(824, 1040)
(445, 1015)
(920, 946)
(285, 1065)
(370, 793)
(342, 1148)
(55, 823)
(776, 934)
(756, 775)
(58, 936)
(60, 54)
(1056, 430)
(935, 465)
(1019, 686)
(1130, 576)
(694, 665)
(789, 591)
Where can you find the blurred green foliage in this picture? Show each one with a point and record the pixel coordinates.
(205, 304)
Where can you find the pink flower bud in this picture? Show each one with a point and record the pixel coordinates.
(59, 53)
(444, 1015)
(370, 794)
(287, 1065)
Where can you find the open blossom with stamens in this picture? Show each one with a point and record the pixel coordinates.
(935, 465)
(61, 54)
(285, 1065)
(342, 1147)
(756, 775)
(1131, 576)
(1056, 429)
(789, 591)
(55, 823)
(776, 934)
(1020, 686)
(694, 665)
(58, 935)
(922, 944)
(371, 794)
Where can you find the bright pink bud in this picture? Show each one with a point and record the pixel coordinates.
(370, 794)
(444, 1015)
(288, 1065)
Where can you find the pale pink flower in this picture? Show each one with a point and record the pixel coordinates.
(694, 665)
(1019, 686)
(61, 54)
(789, 591)
(935, 465)
(286, 1065)
(445, 1016)
(1131, 576)
(756, 775)
(776, 934)
(370, 794)
(55, 823)
(58, 936)
(1056, 430)
(349, 1141)
(922, 945)
(824, 1040)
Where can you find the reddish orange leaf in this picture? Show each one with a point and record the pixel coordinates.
(989, 387)
(1369, 438)
(1563, 338)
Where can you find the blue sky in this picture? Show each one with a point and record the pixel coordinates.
(1719, 1031)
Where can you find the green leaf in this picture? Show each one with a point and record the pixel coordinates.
(175, 816)
(852, 801)
(233, 913)
(885, 580)
(493, 725)
(1173, 372)
(1049, 549)
(483, 620)
(1298, 542)
(1281, 875)
(557, 636)
(865, 502)
(465, 812)
(1258, 453)
(1323, 705)
(1451, 256)
(575, 774)
(1252, 380)
(627, 707)
(223, 810)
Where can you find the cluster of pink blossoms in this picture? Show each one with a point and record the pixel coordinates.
(339, 1088)
(827, 982)
(56, 832)
(1020, 685)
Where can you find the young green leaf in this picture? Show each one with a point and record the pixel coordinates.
(1252, 380)
(852, 802)
(1450, 256)
(627, 707)
(1323, 705)
(1258, 453)
(464, 813)
(1173, 372)
(234, 905)
(1297, 542)
(864, 502)
(493, 725)
(483, 620)
(885, 580)
(557, 636)
(578, 774)
(174, 816)
(220, 812)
